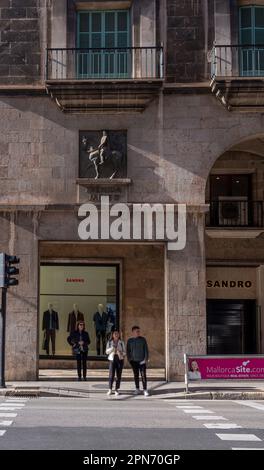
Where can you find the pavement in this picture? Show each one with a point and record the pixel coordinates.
(159, 389)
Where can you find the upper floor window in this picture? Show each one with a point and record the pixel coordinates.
(251, 32)
(107, 36)
(252, 25)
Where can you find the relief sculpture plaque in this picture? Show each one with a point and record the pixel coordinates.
(103, 154)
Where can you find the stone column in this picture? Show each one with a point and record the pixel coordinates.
(22, 301)
(186, 299)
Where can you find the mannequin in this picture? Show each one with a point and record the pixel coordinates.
(74, 316)
(100, 321)
(50, 324)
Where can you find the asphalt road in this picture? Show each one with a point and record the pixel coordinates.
(133, 423)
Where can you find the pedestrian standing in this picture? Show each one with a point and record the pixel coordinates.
(116, 351)
(137, 355)
(80, 340)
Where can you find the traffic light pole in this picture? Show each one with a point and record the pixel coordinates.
(2, 337)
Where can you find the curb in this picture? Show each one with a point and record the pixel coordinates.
(67, 393)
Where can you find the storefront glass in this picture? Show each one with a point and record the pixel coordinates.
(69, 293)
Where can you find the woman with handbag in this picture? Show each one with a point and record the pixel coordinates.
(80, 340)
(116, 351)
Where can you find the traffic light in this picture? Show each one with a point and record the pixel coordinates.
(7, 270)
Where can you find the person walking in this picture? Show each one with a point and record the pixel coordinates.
(137, 355)
(116, 351)
(80, 340)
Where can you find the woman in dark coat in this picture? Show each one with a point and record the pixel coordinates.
(80, 340)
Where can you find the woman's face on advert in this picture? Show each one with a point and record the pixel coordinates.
(194, 366)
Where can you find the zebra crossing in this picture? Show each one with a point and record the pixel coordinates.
(198, 412)
(7, 408)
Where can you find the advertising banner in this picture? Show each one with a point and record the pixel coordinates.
(225, 367)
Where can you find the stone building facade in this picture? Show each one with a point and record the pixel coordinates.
(182, 134)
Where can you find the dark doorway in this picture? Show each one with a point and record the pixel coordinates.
(231, 327)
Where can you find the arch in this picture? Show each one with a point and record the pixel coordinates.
(246, 141)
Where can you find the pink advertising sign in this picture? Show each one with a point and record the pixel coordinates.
(239, 368)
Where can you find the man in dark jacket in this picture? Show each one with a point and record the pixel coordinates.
(137, 354)
(80, 340)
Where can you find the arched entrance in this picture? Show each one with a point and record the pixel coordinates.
(235, 250)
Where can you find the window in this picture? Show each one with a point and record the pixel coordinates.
(71, 293)
(230, 200)
(230, 186)
(106, 36)
(251, 27)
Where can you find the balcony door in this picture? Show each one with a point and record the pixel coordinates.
(104, 37)
(251, 25)
(230, 200)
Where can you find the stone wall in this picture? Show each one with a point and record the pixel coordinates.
(189, 35)
(186, 309)
(172, 147)
(20, 42)
(18, 236)
(247, 250)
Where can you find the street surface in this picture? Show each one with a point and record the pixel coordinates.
(132, 423)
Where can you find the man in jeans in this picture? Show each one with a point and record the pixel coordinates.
(137, 355)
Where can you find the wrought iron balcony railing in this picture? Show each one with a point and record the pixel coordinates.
(235, 212)
(237, 61)
(134, 63)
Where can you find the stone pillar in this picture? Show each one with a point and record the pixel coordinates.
(186, 299)
(59, 61)
(222, 22)
(22, 301)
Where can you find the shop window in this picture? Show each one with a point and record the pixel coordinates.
(69, 293)
(106, 36)
(251, 27)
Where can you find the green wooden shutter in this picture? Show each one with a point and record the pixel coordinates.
(251, 31)
(102, 32)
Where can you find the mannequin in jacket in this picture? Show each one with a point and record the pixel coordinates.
(100, 323)
(50, 324)
(74, 316)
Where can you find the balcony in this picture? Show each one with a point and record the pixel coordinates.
(236, 213)
(237, 73)
(104, 80)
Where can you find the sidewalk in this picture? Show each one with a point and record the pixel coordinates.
(225, 390)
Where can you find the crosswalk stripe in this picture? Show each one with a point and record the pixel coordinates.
(252, 404)
(9, 408)
(238, 437)
(186, 407)
(210, 417)
(221, 426)
(181, 401)
(17, 400)
(2, 433)
(198, 411)
(6, 423)
(8, 415)
(18, 405)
